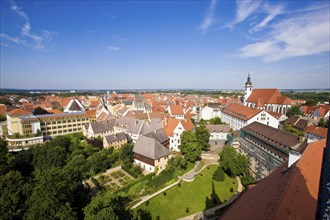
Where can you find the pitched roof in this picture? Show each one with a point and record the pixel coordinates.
(158, 135)
(277, 137)
(150, 148)
(74, 106)
(241, 111)
(18, 111)
(284, 194)
(218, 128)
(172, 123)
(100, 127)
(268, 96)
(176, 110)
(117, 137)
(318, 131)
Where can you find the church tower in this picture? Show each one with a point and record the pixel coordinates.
(248, 88)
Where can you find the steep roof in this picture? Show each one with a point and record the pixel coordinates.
(150, 148)
(18, 111)
(158, 135)
(241, 111)
(176, 110)
(218, 128)
(100, 127)
(117, 137)
(172, 123)
(268, 96)
(286, 193)
(74, 106)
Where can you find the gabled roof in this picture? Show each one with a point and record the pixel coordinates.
(150, 148)
(218, 128)
(286, 193)
(268, 96)
(172, 123)
(318, 131)
(74, 106)
(158, 135)
(241, 111)
(176, 110)
(18, 111)
(100, 127)
(117, 137)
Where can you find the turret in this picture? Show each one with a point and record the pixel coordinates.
(248, 88)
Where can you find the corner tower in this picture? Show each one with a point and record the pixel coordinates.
(248, 88)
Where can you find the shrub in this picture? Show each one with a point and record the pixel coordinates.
(231, 189)
(179, 185)
(187, 210)
(164, 193)
(219, 175)
(147, 203)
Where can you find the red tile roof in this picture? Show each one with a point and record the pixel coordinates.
(268, 96)
(172, 123)
(241, 111)
(318, 131)
(18, 112)
(284, 194)
(176, 110)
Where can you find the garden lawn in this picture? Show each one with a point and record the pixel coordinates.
(201, 194)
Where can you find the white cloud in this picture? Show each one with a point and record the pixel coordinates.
(272, 11)
(209, 18)
(244, 8)
(297, 35)
(113, 48)
(27, 38)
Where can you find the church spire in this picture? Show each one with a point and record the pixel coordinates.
(248, 82)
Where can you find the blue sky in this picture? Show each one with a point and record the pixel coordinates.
(164, 44)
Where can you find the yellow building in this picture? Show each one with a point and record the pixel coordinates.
(12, 120)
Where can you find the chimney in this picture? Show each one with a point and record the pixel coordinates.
(294, 156)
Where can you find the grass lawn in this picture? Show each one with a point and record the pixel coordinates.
(201, 194)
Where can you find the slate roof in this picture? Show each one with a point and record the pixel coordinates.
(150, 148)
(100, 127)
(218, 128)
(280, 139)
(117, 137)
(159, 135)
(286, 193)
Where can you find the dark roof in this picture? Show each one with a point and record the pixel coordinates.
(218, 128)
(100, 127)
(297, 122)
(286, 193)
(276, 136)
(150, 148)
(117, 137)
(214, 105)
(75, 106)
(159, 135)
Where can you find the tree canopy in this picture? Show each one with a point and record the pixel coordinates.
(233, 162)
(294, 110)
(190, 146)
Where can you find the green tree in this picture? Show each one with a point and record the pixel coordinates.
(127, 155)
(233, 162)
(107, 206)
(294, 110)
(5, 158)
(99, 162)
(3, 118)
(13, 194)
(40, 111)
(323, 123)
(190, 146)
(215, 121)
(311, 102)
(247, 180)
(45, 157)
(203, 136)
(290, 129)
(52, 196)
